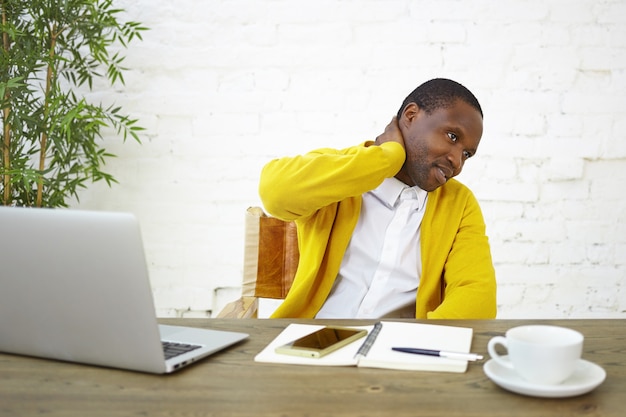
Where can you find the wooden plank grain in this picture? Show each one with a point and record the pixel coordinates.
(230, 383)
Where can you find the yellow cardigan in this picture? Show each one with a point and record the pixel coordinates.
(322, 190)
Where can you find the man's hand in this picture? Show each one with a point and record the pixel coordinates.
(392, 133)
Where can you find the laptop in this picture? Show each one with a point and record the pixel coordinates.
(74, 287)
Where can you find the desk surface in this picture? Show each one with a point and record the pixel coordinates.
(230, 383)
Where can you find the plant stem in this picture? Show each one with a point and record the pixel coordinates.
(6, 112)
(44, 134)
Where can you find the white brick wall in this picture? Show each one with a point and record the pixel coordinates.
(222, 86)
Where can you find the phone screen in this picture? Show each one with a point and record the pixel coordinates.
(321, 342)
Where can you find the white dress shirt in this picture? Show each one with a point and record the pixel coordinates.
(381, 268)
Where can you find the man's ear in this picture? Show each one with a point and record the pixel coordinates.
(408, 115)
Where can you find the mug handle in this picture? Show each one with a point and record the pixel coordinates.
(491, 347)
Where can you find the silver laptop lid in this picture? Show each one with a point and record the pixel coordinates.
(74, 286)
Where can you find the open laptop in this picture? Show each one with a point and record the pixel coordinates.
(74, 287)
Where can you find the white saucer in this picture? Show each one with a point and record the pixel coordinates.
(586, 377)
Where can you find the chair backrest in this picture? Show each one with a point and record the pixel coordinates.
(270, 256)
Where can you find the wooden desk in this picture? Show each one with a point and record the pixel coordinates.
(230, 383)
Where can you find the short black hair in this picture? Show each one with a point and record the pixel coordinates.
(440, 93)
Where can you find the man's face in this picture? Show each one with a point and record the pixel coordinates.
(438, 144)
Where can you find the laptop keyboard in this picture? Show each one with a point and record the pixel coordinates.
(173, 349)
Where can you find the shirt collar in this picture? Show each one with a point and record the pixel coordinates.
(389, 192)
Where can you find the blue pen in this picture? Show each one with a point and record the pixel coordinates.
(440, 353)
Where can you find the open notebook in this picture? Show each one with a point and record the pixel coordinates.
(74, 286)
(380, 355)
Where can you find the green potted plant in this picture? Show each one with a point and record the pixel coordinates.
(51, 136)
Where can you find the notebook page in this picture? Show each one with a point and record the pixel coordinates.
(341, 357)
(426, 336)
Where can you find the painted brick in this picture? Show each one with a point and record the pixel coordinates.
(224, 86)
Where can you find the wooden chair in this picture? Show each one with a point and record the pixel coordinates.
(270, 261)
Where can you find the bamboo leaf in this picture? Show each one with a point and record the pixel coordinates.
(80, 41)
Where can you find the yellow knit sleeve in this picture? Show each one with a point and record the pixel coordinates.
(295, 187)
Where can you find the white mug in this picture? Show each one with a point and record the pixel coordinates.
(540, 354)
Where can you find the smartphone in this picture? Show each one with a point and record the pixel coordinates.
(321, 342)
